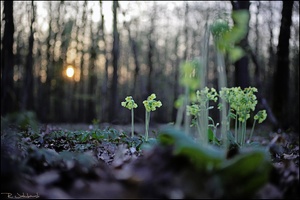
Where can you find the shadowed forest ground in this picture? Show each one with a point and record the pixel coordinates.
(119, 171)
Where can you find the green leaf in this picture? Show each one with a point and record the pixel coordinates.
(211, 137)
(203, 156)
(240, 17)
(235, 54)
(250, 171)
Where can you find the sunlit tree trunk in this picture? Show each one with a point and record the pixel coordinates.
(7, 61)
(241, 66)
(281, 77)
(28, 100)
(115, 55)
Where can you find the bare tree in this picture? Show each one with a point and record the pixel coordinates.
(7, 61)
(281, 78)
(92, 80)
(104, 88)
(80, 87)
(27, 101)
(186, 32)
(115, 54)
(242, 78)
(151, 48)
(176, 63)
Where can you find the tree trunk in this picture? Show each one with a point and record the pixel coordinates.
(186, 34)
(281, 78)
(176, 65)
(45, 103)
(8, 96)
(150, 54)
(134, 49)
(115, 54)
(28, 100)
(269, 68)
(80, 86)
(257, 42)
(150, 66)
(103, 115)
(241, 66)
(91, 106)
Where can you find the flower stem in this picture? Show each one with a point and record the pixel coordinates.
(236, 128)
(147, 125)
(132, 123)
(252, 130)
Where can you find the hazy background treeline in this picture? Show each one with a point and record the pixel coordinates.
(136, 48)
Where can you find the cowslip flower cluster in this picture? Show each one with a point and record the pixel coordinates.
(202, 99)
(240, 101)
(261, 116)
(151, 104)
(129, 103)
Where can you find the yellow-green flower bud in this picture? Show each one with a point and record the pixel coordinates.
(129, 103)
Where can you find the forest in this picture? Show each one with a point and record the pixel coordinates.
(109, 64)
(137, 48)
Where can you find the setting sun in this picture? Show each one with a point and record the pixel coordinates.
(70, 71)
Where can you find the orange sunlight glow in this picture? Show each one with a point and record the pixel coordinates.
(70, 71)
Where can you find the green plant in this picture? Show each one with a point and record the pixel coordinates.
(240, 104)
(150, 105)
(199, 110)
(251, 167)
(130, 104)
(225, 38)
(260, 116)
(190, 80)
(96, 123)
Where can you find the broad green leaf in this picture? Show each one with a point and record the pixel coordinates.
(201, 155)
(244, 174)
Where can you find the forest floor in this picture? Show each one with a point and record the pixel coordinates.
(30, 168)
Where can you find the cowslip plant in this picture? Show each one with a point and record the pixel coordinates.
(260, 117)
(199, 110)
(150, 105)
(240, 104)
(130, 104)
(189, 79)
